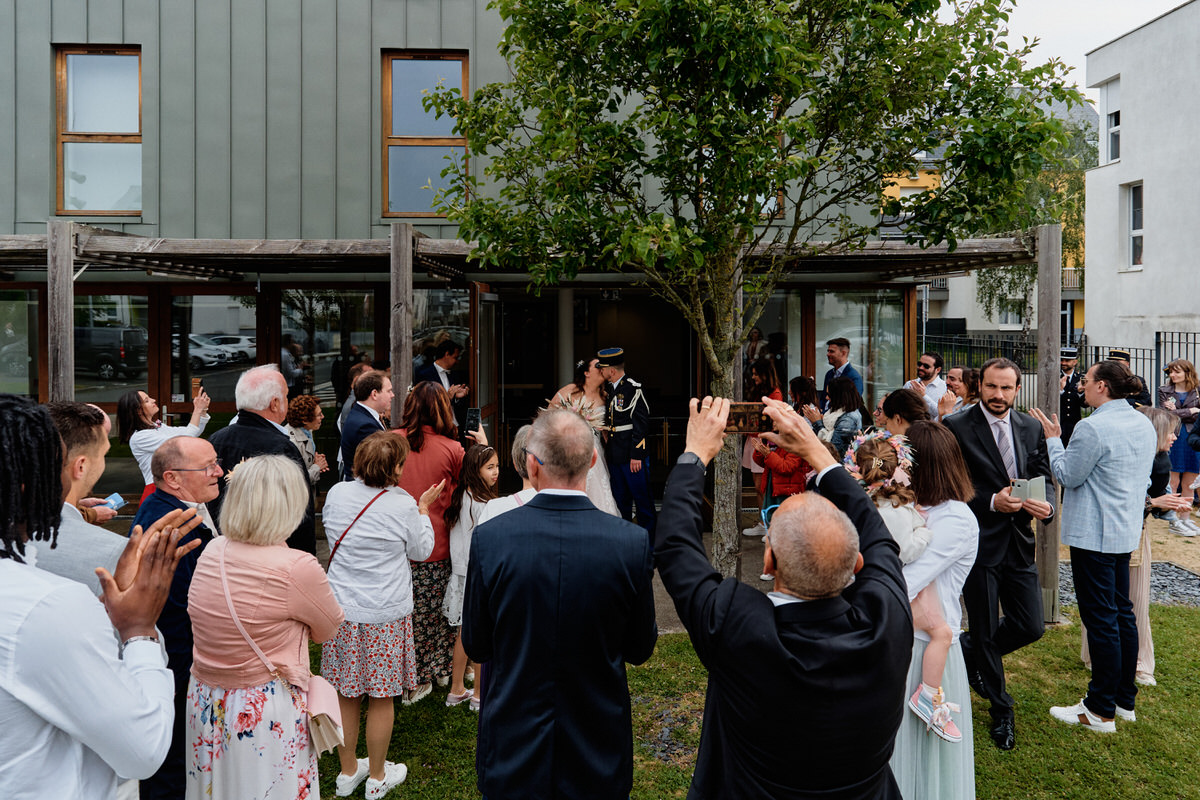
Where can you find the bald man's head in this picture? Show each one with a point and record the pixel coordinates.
(815, 547)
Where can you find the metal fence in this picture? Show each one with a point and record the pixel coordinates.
(1146, 362)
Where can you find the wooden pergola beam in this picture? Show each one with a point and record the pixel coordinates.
(60, 297)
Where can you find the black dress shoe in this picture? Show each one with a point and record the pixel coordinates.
(1004, 734)
(974, 676)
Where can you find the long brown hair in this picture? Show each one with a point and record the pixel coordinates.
(471, 481)
(941, 473)
(427, 405)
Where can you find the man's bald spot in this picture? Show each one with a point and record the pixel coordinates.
(180, 452)
(815, 546)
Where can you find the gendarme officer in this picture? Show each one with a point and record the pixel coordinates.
(1070, 399)
(625, 450)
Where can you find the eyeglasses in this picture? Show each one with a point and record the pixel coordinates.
(212, 469)
(767, 513)
(535, 458)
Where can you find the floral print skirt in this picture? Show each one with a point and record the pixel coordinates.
(432, 634)
(377, 660)
(248, 743)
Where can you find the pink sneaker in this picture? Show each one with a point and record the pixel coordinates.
(935, 713)
(454, 699)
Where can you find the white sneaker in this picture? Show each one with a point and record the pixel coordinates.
(1126, 714)
(1145, 679)
(757, 530)
(1187, 522)
(346, 784)
(1195, 483)
(1182, 528)
(766, 577)
(417, 695)
(1079, 714)
(393, 776)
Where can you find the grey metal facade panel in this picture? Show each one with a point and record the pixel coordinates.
(142, 28)
(8, 132)
(177, 118)
(284, 96)
(68, 21)
(248, 132)
(357, 144)
(260, 118)
(34, 127)
(213, 119)
(318, 120)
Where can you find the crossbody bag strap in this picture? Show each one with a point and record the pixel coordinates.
(233, 614)
(338, 543)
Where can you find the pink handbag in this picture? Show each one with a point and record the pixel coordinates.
(324, 712)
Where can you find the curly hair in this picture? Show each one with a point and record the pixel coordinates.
(31, 485)
(302, 409)
(878, 461)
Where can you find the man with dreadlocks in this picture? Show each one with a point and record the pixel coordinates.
(78, 710)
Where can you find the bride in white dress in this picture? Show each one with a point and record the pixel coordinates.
(587, 397)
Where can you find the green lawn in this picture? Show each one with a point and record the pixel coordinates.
(1155, 757)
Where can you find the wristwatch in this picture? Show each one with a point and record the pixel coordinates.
(691, 458)
(131, 639)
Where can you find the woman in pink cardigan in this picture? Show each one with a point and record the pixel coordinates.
(247, 730)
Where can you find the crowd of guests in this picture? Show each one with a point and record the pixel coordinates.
(872, 534)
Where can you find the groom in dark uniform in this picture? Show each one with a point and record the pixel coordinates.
(625, 449)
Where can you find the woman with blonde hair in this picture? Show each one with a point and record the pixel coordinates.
(374, 527)
(1179, 397)
(254, 601)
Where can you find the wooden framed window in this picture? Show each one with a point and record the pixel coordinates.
(416, 143)
(99, 130)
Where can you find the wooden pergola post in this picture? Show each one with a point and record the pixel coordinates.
(1049, 256)
(60, 316)
(401, 241)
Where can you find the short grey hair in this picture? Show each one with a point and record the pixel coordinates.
(267, 499)
(169, 451)
(518, 450)
(256, 389)
(564, 442)
(815, 546)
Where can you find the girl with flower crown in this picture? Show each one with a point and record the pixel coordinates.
(588, 397)
(881, 462)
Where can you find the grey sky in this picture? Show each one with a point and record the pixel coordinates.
(1070, 28)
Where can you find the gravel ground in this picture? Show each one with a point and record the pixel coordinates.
(1170, 585)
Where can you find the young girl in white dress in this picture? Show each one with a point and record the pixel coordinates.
(882, 462)
(588, 397)
(476, 486)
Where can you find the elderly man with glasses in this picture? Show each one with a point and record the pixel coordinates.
(186, 475)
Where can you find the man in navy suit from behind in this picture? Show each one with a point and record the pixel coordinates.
(558, 600)
(373, 396)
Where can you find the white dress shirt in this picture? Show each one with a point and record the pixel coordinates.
(75, 715)
(142, 444)
(495, 508)
(444, 374)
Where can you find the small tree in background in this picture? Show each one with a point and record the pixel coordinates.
(659, 137)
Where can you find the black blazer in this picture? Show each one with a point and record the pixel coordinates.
(457, 404)
(558, 599)
(804, 699)
(254, 436)
(997, 530)
(359, 425)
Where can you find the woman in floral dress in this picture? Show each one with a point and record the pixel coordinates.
(588, 398)
(247, 727)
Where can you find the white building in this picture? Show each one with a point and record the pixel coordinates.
(1141, 205)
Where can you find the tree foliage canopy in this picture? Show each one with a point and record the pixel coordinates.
(657, 136)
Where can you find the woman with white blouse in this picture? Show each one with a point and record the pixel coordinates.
(138, 428)
(374, 527)
(926, 766)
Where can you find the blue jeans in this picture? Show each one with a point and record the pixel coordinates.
(1102, 589)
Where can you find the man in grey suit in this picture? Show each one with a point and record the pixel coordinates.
(81, 547)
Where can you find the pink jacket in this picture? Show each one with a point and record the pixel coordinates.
(281, 597)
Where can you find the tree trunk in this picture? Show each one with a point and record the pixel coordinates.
(727, 491)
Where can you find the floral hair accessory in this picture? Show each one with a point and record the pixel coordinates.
(579, 363)
(904, 458)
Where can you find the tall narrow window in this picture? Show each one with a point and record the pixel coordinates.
(1110, 113)
(1135, 225)
(99, 130)
(1114, 135)
(416, 143)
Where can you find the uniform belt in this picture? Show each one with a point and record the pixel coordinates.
(620, 428)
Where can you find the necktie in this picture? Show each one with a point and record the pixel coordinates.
(1006, 453)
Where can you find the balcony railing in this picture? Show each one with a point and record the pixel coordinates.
(1072, 278)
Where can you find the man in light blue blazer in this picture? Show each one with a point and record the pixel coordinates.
(1104, 474)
